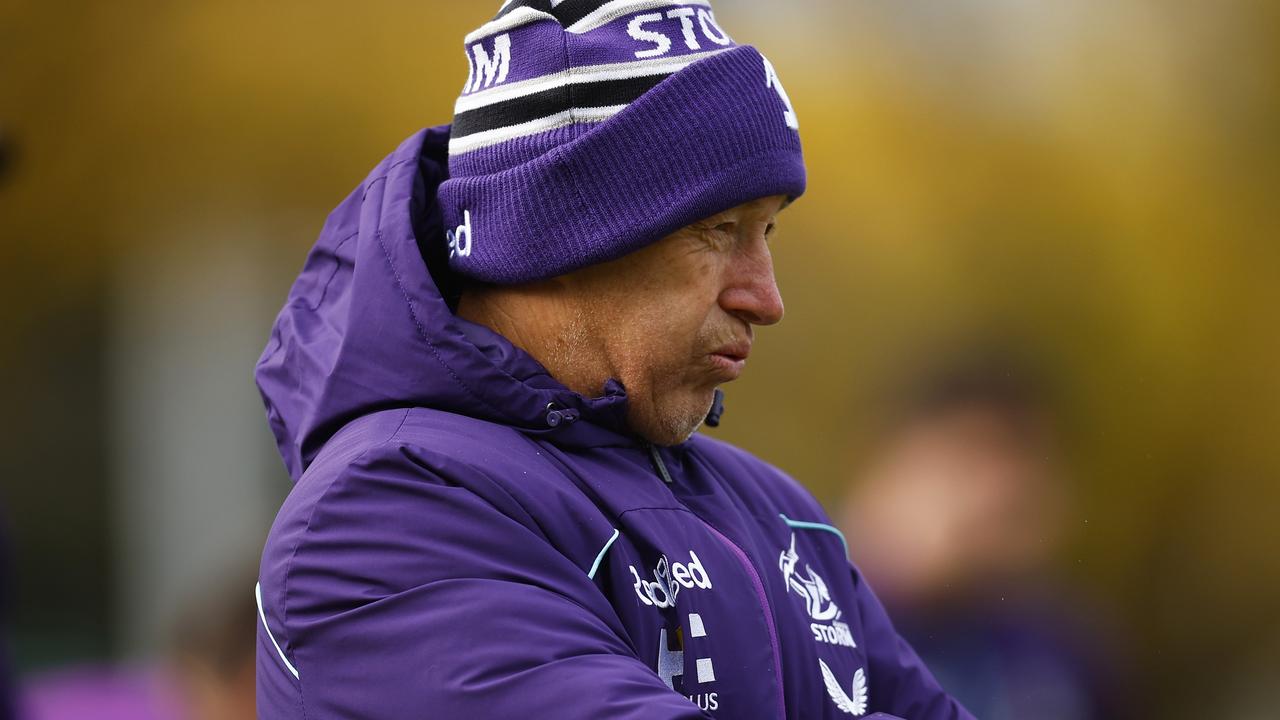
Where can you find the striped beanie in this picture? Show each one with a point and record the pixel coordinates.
(588, 129)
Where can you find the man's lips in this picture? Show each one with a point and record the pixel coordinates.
(731, 358)
(734, 351)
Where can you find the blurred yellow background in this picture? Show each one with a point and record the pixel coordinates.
(1091, 185)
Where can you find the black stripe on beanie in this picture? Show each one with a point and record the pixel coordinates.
(543, 5)
(571, 11)
(603, 93)
(567, 12)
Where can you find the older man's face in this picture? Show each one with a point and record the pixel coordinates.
(674, 320)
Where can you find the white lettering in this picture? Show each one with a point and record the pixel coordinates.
(668, 578)
(460, 237)
(654, 589)
(835, 634)
(662, 584)
(771, 80)
(686, 16)
(706, 701)
(486, 71)
(636, 31)
(638, 585)
(681, 574)
(708, 20)
(700, 576)
(662, 592)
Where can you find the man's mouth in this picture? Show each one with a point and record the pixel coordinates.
(731, 358)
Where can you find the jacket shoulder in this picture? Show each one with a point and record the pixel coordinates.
(408, 460)
(399, 484)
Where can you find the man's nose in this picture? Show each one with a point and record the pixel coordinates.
(751, 290)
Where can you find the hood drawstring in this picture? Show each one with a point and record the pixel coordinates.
(717, 409)
(659, 465)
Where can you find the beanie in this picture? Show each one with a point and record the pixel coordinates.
(588, 129)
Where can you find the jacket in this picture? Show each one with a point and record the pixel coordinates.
(467, 538)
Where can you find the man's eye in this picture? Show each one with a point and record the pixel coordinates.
(720, 235)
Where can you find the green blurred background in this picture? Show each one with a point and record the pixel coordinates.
(1090, 184)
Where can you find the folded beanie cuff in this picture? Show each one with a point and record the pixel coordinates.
(708, 138)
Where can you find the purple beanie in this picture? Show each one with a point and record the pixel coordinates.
(591, 128)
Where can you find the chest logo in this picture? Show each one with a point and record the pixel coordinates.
(855, 703)
(668, 579)
(810, 586)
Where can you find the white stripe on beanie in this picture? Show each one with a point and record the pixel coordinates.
(577, 75)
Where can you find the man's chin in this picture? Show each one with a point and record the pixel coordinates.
(672, 425)
(670, 435)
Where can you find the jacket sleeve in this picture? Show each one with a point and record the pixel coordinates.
(415, 592)
(900, 682)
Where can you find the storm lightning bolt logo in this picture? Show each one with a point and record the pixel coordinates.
(810, 586)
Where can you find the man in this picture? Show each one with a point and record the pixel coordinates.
(486, 383)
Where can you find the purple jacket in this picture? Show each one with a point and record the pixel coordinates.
(467, 538)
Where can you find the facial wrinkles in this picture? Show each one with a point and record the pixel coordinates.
(653, 321)
(651, 339)
(681, 385)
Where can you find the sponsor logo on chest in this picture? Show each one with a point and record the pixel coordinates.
(668, 579)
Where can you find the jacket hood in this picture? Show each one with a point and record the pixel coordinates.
(367, 328)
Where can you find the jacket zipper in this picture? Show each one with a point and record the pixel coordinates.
(660, 466)
(756, 582)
